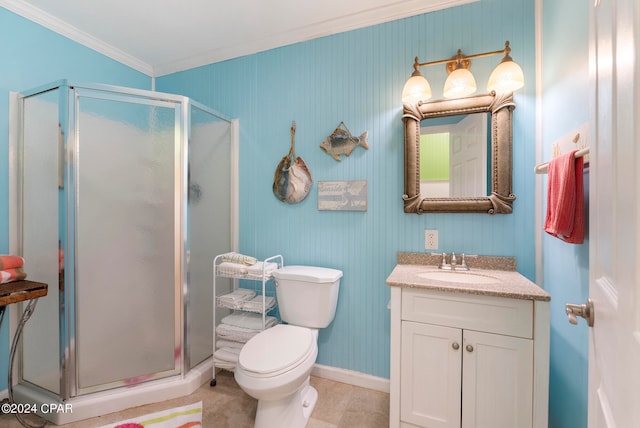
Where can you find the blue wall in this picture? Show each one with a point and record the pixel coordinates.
(565, 85)
(31, 56)
(357, 77)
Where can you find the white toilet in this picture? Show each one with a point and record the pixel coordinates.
(274, 366)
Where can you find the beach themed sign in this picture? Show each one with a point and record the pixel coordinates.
(341, 142)
(342, 195)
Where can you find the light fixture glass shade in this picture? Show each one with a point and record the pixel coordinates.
(460, 83)
(416, 89)
(506, 77)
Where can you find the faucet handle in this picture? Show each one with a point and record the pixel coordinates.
(463, 263)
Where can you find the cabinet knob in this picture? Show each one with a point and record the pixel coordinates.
(455, 346)
(469, 348)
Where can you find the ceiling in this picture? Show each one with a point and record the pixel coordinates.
(159, 37)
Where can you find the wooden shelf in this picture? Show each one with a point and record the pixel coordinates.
(19, 291)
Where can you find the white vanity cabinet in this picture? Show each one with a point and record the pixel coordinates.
(468, 360)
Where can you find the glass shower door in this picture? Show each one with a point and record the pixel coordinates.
(41, 217)
(128, 240)
(209, 217)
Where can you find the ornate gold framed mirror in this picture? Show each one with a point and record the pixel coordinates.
(499, 198)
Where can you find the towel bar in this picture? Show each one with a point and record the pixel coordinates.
(542, 168)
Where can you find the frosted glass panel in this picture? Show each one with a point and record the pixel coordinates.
(40, 214)
(209, 222)
(126, 258)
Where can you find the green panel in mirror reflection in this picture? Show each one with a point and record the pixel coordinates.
(434, 157)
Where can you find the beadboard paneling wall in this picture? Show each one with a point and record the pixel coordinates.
(357, 77)
(565, 106)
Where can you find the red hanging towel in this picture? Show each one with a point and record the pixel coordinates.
(565, 199)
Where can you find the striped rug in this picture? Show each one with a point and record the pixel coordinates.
(189, 416)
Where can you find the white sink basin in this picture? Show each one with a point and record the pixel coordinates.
(459, 277)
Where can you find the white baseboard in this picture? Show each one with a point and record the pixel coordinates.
(351, 377)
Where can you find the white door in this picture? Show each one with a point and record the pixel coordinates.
(614, 215)
(468, 156)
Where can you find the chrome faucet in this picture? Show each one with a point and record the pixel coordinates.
(453, 265)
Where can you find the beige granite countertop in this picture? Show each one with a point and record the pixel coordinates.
(509, 283)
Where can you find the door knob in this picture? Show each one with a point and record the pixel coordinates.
(585, 311)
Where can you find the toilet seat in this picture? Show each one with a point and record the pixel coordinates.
(276, 350)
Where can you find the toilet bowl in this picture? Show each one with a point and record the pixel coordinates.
(275, 365)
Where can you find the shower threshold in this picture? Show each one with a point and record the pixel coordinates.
(118, 399)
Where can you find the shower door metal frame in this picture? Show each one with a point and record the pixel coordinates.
(233, 210)
(70, 371)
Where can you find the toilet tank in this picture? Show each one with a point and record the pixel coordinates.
(307, 295)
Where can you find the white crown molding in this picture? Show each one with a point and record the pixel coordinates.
(67, 30)
(399, 10)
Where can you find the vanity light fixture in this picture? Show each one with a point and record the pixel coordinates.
(506, 77)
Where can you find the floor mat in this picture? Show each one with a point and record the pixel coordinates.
(189, 416)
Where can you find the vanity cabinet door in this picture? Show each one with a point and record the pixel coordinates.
(430, 375)
(497, 381)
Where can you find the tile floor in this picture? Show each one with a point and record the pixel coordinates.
(226, 406)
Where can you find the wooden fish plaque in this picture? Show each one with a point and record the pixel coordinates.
(342, 195)
(342, 142)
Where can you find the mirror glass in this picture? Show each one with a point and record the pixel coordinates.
(457, 155)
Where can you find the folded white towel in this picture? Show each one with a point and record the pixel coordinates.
(236, 298)
(238, 334)
(255, 304)
(260, 268)
(221, 364)
(248, 320)
(231, 351)
(226, 354)
(239, 295)
(238, 258)
(222, 343)
(232, 269)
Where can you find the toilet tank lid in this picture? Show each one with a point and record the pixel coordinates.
(308, 273)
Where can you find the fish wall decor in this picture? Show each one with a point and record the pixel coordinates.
(292, 180)
(341, 142)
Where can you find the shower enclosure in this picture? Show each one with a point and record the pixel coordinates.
(122, 199)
